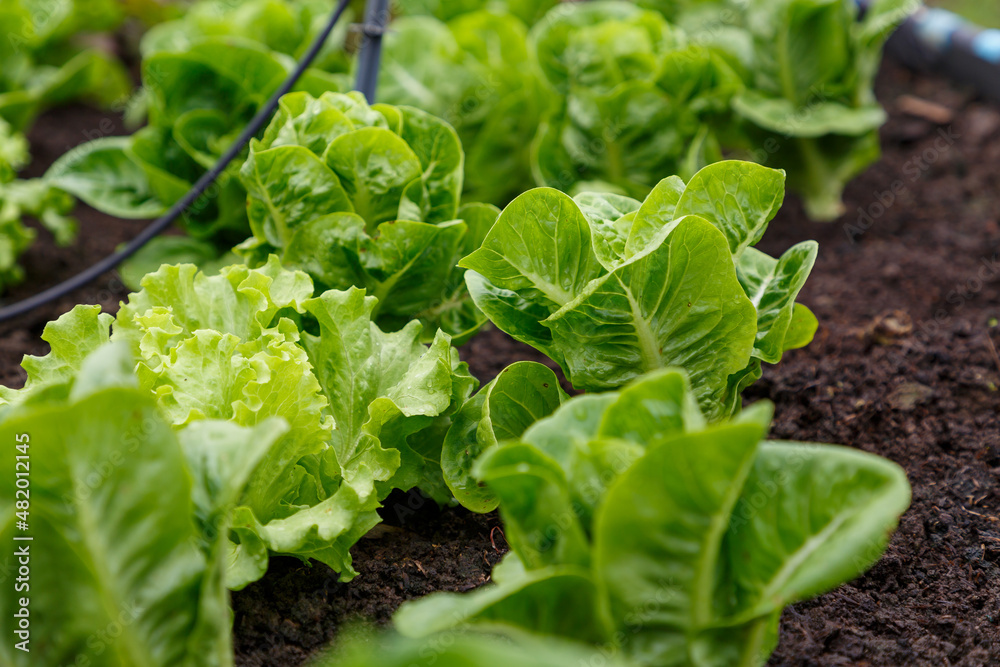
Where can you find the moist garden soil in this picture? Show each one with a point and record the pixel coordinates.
(907, 292)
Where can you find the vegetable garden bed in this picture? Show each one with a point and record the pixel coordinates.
(901, 367)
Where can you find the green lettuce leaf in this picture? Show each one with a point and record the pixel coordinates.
(367, 197)
(772, 286)
(476, 72)
(611, 288)
(132, 566)
(71, 338)
(636, 104)
(101, 174)
(678, 542)
(521, 395)
(467, 650)
(384, 389)
(366, 411)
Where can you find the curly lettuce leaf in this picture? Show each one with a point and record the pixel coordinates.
(71, 338)
(385, 390)
(219, 347)
(366, 411)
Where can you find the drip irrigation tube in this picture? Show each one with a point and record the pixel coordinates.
(376, 18)
(159, 225)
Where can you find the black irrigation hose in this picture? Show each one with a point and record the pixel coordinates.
(110, 262)
(376, 18)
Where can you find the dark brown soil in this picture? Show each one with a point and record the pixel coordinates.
(902, 366)
(296, 609)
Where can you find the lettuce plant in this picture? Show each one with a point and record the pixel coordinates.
(369, 197)
(477, 72)
(636, 103)
(787, 82)
(129, 520)
(204, 77)
(808, 68)
(636, 526)
(367, 411)
(612, 288)
(45, 62)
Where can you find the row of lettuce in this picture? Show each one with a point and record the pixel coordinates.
(603, 96)
(219, 420)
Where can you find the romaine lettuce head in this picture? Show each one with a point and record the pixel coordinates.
(638, 527)
(638, 101)
(808, 69)
(477, 72)
(367, 196)
(612, 288)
